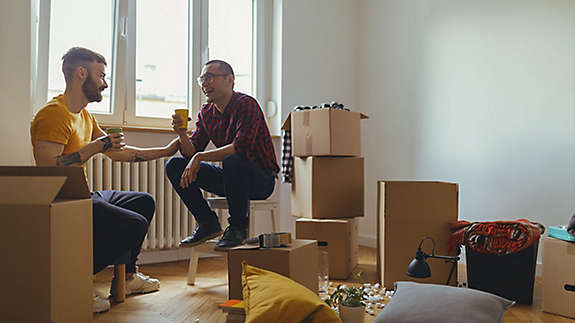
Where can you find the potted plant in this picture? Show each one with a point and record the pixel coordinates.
(349, 301)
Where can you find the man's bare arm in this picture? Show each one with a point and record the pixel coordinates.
(137, 154)
(217, 154)
(47, 153)
(186, 147)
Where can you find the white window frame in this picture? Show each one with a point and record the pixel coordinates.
(261, 54)
(123, 87)
(117, 89)
(40, 48)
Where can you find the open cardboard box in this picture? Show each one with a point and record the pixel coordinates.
(46, 240)
(325, 132)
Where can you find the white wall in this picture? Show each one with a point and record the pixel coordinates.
(319, 60)
(481, 93)
(478, 93)
(15, 104)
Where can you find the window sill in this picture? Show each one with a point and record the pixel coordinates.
(140, 129)
(152, 129)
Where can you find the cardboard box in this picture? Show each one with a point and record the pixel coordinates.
(46, 242)
(341, 238)
(298, 262)
(325, 132)
(559, 277)
(407, 212)
(327, 187)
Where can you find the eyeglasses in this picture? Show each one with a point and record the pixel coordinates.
(208, 77)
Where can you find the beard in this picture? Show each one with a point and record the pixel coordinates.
(91, 90)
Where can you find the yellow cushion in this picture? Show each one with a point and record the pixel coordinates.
(271, 297)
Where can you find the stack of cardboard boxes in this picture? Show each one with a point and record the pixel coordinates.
(328, 182)
(327, 196)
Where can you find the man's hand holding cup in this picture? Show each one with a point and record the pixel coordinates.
(114, 141)
(180, 121)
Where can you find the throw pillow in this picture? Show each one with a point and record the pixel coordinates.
(430, 303)
(271, 297)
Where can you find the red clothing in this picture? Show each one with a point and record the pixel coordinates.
(494, 238)
(242, 124)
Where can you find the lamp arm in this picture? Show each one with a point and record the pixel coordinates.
(421, 255)
(451, 271)
(452, 259)
(432, 241)
(449, 258)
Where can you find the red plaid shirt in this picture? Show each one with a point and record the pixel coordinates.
(242, 124)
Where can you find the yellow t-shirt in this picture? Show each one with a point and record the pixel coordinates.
(55, 123)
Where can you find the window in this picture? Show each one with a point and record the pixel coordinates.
(230, 38)
(161, 57)
(69, 28)
(155, 49)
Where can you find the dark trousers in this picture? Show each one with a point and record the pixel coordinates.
(239, 180)
(121, 221)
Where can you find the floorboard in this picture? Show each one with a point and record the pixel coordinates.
(178, 303)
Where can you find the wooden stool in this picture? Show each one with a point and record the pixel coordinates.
(118, 290)
(219, 204)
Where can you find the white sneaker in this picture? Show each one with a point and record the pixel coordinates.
(140, 283)
(100, 304)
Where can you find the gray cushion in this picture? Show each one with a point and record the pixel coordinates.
(429, 303)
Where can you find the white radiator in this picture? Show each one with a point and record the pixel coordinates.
(172, 221)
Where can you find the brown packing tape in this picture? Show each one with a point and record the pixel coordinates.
(308, 144)
(274, 239)
(308, 132)
(306, 117)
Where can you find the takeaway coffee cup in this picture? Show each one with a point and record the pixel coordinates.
(183, 113)
(113, 130)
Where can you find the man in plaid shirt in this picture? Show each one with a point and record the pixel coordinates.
(235, 124)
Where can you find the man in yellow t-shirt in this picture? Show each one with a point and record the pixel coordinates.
(64, 133)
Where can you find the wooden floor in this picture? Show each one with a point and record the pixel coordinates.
(178, 302)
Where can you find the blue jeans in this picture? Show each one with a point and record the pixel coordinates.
(239, 180)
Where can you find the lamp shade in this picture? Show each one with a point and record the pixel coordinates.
(418, 267)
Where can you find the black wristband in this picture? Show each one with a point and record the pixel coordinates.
(107, 143)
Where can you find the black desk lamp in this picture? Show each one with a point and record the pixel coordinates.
(419, 268)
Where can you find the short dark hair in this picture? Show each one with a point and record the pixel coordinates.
(222, 65)
(78, 56)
